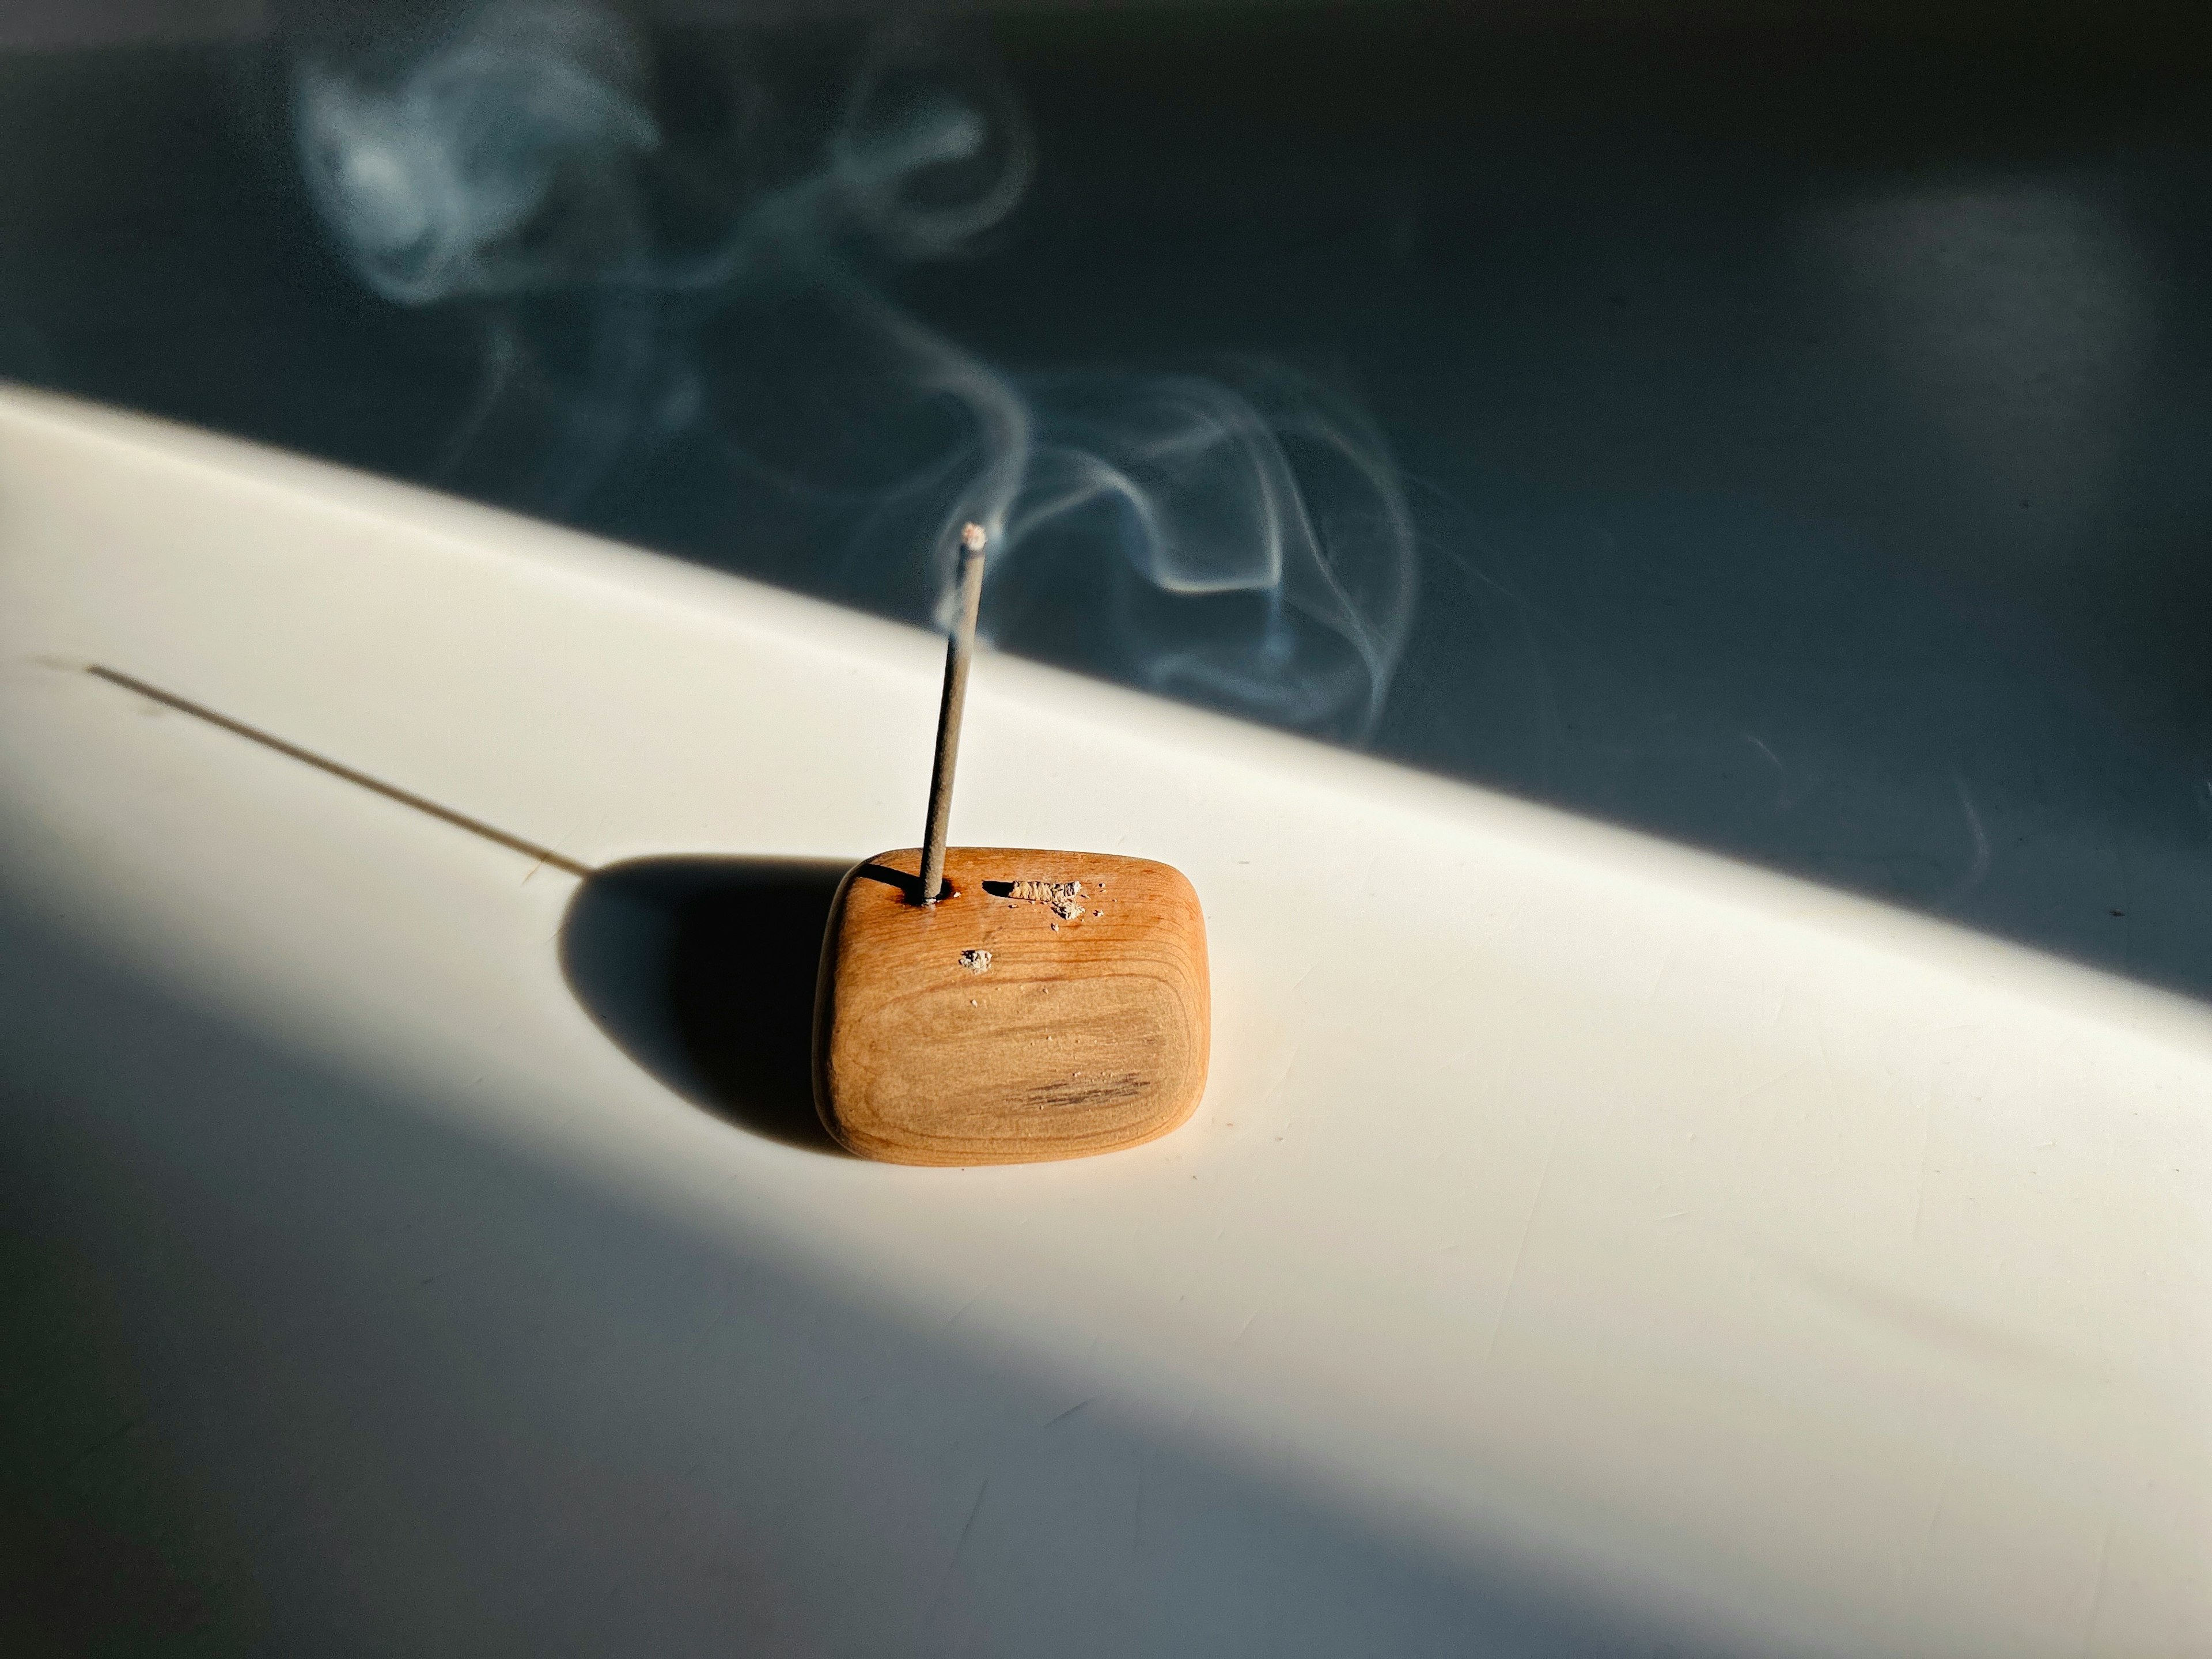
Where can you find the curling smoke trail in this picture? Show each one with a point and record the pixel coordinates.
(1241, 540)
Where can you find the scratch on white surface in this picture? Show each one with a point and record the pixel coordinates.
(1977, 868)
(1277, 1090)
(1547, 722)
(1137, 1510)
(1783, 800)
(2097, 1595)
(952, 1566)
(1245, 1326)
(1927, 1143)
(102, 1445)
(1521, 1246)
(1827, 1060)
(1946, 1334)
(1919, 1564)
(1078, 1406)
(1765, 1083)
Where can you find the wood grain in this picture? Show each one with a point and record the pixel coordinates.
(1086, 1030)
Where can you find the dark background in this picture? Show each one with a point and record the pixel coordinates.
(1805, 411)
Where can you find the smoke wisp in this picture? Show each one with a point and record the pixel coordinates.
(720, 316)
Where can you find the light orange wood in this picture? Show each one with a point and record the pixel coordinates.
(1051, 1005)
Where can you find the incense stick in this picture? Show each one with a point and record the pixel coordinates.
(957, 653)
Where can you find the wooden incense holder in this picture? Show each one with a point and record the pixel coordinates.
(1049, 1004)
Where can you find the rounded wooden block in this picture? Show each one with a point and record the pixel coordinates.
(1050, 1004)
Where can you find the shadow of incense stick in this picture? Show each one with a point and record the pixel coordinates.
(544, 856)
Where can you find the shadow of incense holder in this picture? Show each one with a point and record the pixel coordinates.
(1045, 1006)
(1001, 1004)
(974, 1004)
(1049, 1004)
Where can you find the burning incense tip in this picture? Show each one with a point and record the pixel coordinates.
(972, 536)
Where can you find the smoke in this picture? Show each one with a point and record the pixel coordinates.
(498, 161)
(1239, 538)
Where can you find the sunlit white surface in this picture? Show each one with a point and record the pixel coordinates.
(1583, 1244)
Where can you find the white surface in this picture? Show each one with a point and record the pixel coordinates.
(1583, 1243)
